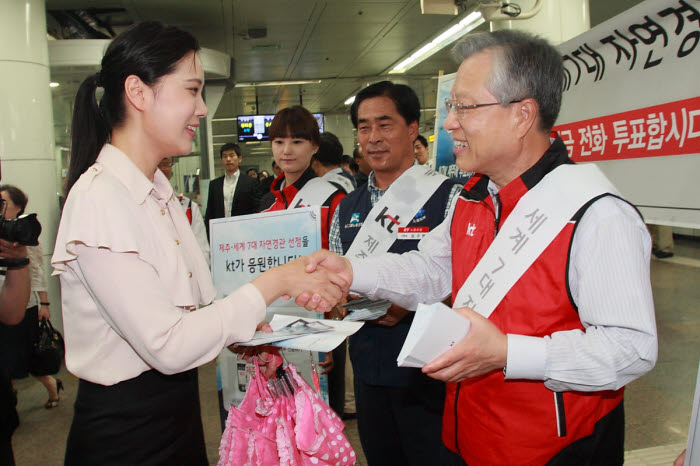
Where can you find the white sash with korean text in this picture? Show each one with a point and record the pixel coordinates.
(315, 192)
(341, 181)
(397, 207)
(536, 220)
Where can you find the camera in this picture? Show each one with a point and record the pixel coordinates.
(24, 230)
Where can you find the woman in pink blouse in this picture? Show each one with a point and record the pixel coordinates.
(132, 275)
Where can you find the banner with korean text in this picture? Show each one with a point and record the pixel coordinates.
(242, 248)
(632, 105)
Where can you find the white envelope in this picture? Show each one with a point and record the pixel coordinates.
(436, 328)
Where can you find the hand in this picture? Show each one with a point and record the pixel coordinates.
(327, 364)
(12, 250)
(44, 312)
(484, 350)
(314, 291)
(247, 352)
(680, 461)
(336, 266)
(393, 316)
(268, 356)
(337, 313)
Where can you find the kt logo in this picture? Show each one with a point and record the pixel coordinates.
(391, 220)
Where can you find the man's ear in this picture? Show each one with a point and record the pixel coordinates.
(527, 114)
(137, 93)
(413, 131)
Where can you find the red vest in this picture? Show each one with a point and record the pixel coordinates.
(488, 420)
(285, 195)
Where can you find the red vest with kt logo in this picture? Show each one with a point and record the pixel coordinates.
(487, 419)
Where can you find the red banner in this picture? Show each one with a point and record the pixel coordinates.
(667, 129)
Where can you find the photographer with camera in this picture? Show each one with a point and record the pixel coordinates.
(14, 296)
(16, 342)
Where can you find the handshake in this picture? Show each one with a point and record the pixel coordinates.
(316, 282)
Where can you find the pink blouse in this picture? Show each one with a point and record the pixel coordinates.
(132, 276)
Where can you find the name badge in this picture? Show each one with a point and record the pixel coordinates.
(412, 232)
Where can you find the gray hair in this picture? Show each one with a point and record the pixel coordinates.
(524, 65)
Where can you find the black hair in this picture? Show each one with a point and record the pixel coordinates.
(405, 99)
(295, 122)
(230, 146)
(17, 197)
(354, 167)
(356, 153)
(149, 50)
(330, 150)
(420, 138)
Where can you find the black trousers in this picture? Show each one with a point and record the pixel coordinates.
(401, 425)
(336, 380)
(152, 419)
(604, 447)
(8, 419)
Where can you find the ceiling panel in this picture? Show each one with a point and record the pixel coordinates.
(347, 43)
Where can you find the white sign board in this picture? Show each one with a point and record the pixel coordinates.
(242, 248)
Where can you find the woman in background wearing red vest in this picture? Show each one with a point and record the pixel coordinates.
(295, 138)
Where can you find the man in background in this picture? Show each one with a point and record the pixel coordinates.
(420, 149)
(191, 208)
(232, 194)
(326, 163)
(363, 167)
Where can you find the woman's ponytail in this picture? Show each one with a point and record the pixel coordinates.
(89, 132)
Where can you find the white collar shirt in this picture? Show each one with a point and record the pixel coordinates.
(230, 183)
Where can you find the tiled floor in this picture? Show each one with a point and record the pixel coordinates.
(654, 456)
(657, 405)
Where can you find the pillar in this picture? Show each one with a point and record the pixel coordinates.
(26, 122)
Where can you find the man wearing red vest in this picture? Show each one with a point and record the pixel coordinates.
(540, 376)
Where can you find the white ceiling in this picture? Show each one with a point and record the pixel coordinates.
(344, 43)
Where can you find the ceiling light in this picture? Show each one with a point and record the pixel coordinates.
(278, 83)
(52, 84)
(442, 40)
(350, 100)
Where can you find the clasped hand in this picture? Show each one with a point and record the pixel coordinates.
(331, 267)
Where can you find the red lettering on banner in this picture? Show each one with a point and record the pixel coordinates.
(667, 129)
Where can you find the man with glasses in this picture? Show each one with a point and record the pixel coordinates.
(546, 261)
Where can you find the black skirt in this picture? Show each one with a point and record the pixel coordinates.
(152, 419)
(16, 343)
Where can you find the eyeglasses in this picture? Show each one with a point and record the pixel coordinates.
(461, 109)
(165, 164)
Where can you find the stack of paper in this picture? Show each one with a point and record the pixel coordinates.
(365, 309)
(435, 329)
(304, 333)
